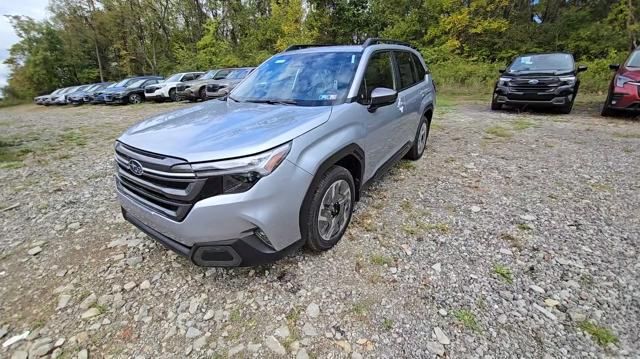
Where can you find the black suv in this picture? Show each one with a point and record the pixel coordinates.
(548, 80)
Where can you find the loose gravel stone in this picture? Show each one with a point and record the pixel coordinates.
(556, 207)
(274, 345)
(313, 310)
(441, 337)
(35, 250)
(193, 332)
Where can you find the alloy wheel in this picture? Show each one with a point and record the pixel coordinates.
(335, 209)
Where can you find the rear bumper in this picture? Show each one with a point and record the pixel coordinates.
(239, 252)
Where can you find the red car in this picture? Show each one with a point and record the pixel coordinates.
(624, 90)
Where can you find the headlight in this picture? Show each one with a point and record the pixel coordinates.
(621, 80)
(240, 174)
(570, 80)
(504, 81)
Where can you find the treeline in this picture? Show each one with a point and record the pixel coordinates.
(464, 40)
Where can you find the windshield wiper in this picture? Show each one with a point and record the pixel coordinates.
(275, 102)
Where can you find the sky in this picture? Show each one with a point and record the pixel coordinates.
(36, 9)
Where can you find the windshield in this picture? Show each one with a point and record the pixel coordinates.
(542, 63)
(135, 84)
(92, 87)
(56, 92)
(634, 59)
(124, 83)
(305, 79)
(174, 78)
(238, 74)
(208, 75)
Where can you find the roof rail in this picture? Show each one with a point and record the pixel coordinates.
(305, 46)
(376, 40)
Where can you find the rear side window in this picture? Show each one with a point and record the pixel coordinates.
(379, 73)
(420, 71)
(406, 69)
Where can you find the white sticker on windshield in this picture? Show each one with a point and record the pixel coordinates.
(353, 59)
(280, 61)
(328, 97)
(526, 60)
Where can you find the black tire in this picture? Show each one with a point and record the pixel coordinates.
(203, 94)
(172, 95)
(418, 148)
(134, 98)
(310, 212)
(566, 109)
(606, 111)
(494, 105)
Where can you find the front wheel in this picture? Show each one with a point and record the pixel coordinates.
(203, 94)
(420, 141)
(606, 110)
(566, 109)
(135, 98)
(327, 210)
(172, 95)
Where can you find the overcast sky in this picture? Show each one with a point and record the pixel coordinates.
(36, 9)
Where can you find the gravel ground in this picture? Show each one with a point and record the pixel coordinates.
(516, 235)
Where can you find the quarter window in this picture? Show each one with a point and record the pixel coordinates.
(379, 73)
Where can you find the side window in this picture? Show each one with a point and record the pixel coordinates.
(150, 82)
(406, 70)
(379, 73)
(420, 71)
(186, 77)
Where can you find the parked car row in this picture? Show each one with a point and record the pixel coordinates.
(190, 86)
(551, 80)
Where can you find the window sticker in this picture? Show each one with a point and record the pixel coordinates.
(353, 59)
(526, 60)
(281, 61)
(328, 97)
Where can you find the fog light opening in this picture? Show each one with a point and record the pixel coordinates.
(262, 237)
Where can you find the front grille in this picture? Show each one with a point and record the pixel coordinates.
(541, 84)
(159, 188)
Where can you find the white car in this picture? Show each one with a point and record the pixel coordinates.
(166, 90)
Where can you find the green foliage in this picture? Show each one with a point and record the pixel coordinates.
(601, 335)
(464, 42)
(504, 272)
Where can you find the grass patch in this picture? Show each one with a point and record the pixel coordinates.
(420, 227)
(101, 308)
(601, 187)
(512, 240)
(601, 335)
(361, 308)
(524, 227)
(73, 137)
(406, 206)
(235, 316)
(626, 134)
(365, 221)
(467, 319)
(387, 324)
(523, 124)
(503, 272)
(498, 131)
(381, 260)
(407, 165)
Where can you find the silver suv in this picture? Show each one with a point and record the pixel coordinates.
(280, 161)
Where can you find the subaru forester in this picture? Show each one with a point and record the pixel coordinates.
(281, 160)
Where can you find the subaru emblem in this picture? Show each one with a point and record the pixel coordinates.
(136, 167)
(533, 82)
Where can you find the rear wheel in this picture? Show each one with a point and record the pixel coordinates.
(420, 141)
(327, 210)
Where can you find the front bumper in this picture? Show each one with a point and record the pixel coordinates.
(555, 96)
(229, 221)
(115, 100)
(186, 94)
(156, 95)
(625, 98)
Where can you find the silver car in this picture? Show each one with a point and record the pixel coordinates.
(220, 88)
(280, 162)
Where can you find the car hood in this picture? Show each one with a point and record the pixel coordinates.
(630, 72)
(163, 84)
(116, 90)
(223, 129)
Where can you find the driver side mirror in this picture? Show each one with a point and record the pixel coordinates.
(582, 68)
(614, 67)
(380, 97)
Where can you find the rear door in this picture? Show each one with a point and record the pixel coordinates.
(410, 94)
